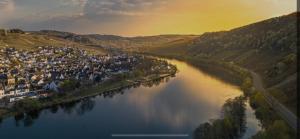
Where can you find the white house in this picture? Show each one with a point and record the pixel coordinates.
(13, 99)
(62, 77)
(20, 92)
(91, 77)
(51, 86)
(40, 82)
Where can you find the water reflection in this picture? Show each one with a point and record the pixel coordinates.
(86, 105)
(26, 118)
(81, 107)
(170, 105)
(19, 117)
(68, 108)
(192, 97)
(54, 109)
(253, 125)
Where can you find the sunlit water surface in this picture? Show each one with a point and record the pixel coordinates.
(173, 107)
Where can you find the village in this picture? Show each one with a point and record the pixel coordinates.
(40, 73)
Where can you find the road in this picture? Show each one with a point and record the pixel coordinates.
(282, 111)
(286, 81)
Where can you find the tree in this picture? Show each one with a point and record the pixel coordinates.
(3, 80)
(16, 83)
(232, 126)
(27, 105)
(69, 85)
(278, 130)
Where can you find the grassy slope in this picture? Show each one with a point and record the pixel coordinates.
(125, 43)
(31, 41)
(267, 47)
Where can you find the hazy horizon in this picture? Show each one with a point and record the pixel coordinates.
(139, 17)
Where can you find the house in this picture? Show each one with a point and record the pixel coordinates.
(62, 77)
(44, 68)
(51, 86)
(16, 98)
(31, 94)
(41, 82)
(11, 84)
(44, 95)
(91, 77)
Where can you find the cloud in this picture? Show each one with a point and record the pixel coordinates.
(6, 6)
(80, 3)
(122, 7)
(109, 16)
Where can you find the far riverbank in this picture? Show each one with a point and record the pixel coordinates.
(240, 76)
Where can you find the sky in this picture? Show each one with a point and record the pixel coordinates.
(138, 17)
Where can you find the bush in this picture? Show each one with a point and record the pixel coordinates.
(289, 59)
(247, 84)
(262, 110)
(27, 105)
(257, 100)
(278, 130)
(69, 85)
(16, 30)
(230, 127)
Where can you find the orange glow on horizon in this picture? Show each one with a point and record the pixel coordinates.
(199, 16)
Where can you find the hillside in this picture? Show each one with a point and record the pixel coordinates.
(28, 40)
(268, 47)
(112, 41)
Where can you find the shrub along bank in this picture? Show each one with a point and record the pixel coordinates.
(271, 122)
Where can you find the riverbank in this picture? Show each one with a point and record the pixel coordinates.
(270, 120)
(233, 122)
(84, 92)
(227, 72)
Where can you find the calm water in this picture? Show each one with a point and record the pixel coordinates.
(173, 107)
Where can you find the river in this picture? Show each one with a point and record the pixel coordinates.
(172, 108)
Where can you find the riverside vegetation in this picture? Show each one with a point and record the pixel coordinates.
(268, 48)
(230, 72)
(232, 124)
(226, 127)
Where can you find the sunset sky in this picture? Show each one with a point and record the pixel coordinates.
(138, 17)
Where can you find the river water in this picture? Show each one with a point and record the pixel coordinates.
(172, 108)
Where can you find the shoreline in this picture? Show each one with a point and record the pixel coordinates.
(238, 73)
(248, 86)
(95, 92)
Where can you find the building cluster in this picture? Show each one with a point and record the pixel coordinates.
(40, 72)
(4, 32)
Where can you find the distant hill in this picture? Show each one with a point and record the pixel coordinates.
(27, 40)
(112, 41)
(268, 47)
